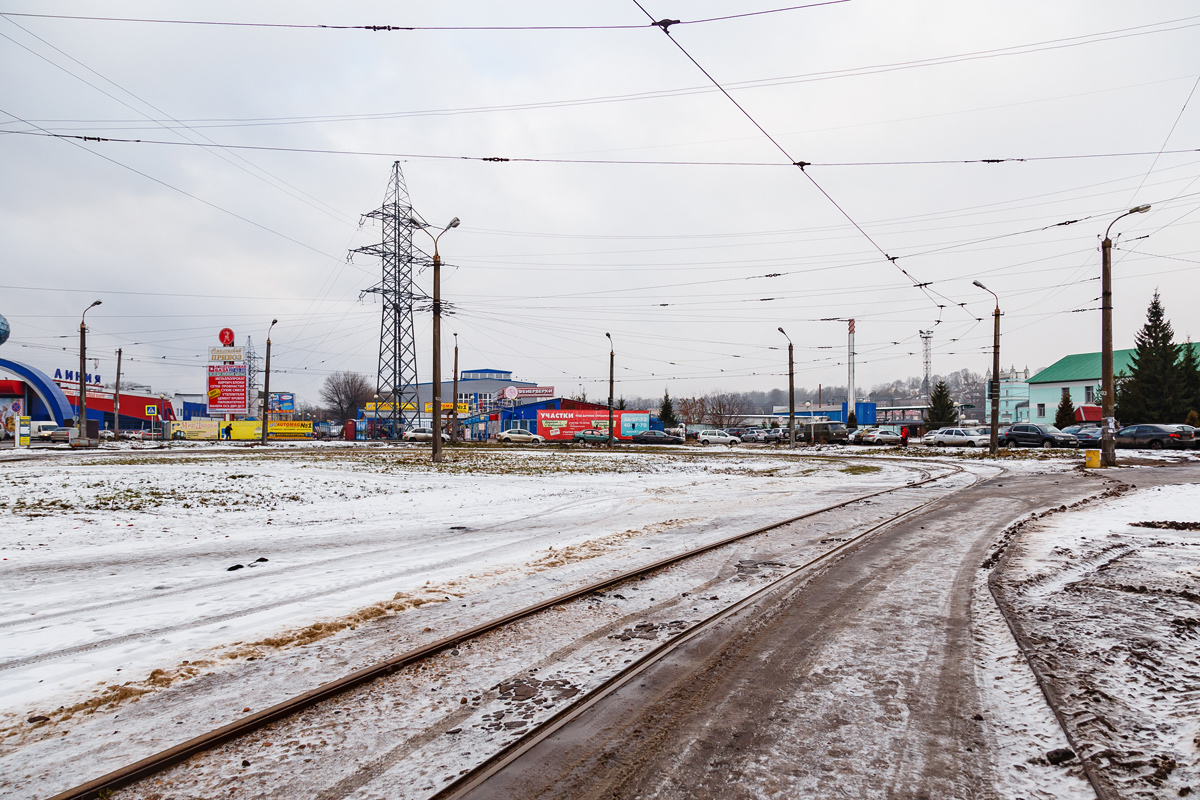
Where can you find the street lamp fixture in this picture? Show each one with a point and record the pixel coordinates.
(1108, 427)
(994, 443)
(266, 398)
(611, 363)
(437, 333)
(82, 436)
(791, 392)
(808, 413)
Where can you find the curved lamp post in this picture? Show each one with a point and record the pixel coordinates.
(994, 444)
(437, 334)
(791, 392)
(82, 437)
(266, 398)
(1108, 426)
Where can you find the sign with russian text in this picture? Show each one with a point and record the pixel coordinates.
(561, 426)
(531, 392)
(228, 380)
(283, 402)
(463, 408)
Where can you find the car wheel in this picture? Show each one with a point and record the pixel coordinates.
(506, 440)
(704, 442)
(970, 444)
(1046, 444)
(1156, 445)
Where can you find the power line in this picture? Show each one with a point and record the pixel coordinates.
(389, 28)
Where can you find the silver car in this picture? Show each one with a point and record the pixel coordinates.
(521, 436)
(959, 437)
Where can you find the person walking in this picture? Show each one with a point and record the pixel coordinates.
(904, 436)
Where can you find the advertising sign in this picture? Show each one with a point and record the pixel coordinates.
(240, 431)
(530, 392)
(561, 426)
(283, 402)
(228, 380)
(463, 408)
(11, 409)
(226, 337)
(24, 431)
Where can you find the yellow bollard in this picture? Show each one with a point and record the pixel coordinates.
(1092, 459)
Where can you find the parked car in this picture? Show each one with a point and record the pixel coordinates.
(107, 435)
(521, 436)
(736, 432)
(762, 435)
(718, 437)
(1075, 430)
(823, 433)
(1089, 436)
(881, 436)
(859, 433)
(655, 437)
(1188, 429)
(1030, 435)
(959, 437)
(1156, 437)
(590, 436)
(423, 435)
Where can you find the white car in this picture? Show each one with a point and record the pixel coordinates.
(959, 437)
(717, 437)
(423, 435)
(520, 435)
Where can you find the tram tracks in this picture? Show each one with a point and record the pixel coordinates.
(163, 760)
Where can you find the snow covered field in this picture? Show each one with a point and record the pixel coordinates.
(150, 596)
(118, 580)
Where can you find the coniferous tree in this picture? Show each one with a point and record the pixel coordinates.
(1065, 416)
(1151, 392)
(666, 411)
(1189, 382)
(941, 411)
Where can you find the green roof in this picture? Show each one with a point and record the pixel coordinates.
(1086, 367)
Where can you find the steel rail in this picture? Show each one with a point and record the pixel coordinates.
(157, 762)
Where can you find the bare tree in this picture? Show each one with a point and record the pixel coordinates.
(344, 392)
(725, 409)
(690, 410)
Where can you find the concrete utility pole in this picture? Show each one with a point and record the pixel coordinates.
(266, 398)
(994, 446)
(437, 337)
(454, 426)
(117, 400)
(1108, 429)
(82, 439)
(611, 364)
(850, 389)
(791, 392)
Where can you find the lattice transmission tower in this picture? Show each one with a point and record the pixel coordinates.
(252, 363)
(396, 385)
(926, 341)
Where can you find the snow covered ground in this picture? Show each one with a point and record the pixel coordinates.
(117, 568)
(1109, 597)
(150, 595)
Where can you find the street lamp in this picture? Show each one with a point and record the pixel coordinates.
(437, 335)
(82, 439)
(611, 363)
(791, 392)
(994, 444)
(454, 426)
(808, 412)
(1108, 452)
(266, 398)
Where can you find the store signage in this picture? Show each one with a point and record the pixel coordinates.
(70, 375)
(563, 425)
(283, 402)
(463, 408)
(228, 380)
(226, 337)
(534, 391)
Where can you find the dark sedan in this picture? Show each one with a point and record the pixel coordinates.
(655, 437)
(1155, 437)
(1030, 435)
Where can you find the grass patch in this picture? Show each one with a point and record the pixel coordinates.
(859, 469)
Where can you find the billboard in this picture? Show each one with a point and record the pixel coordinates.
(240, 431)
(463, 408)
(11, 409)
(228, 380)
(561, 426)
(283, 402)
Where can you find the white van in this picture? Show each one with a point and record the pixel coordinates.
(48, 431)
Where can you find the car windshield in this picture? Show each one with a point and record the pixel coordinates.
(1049, 429)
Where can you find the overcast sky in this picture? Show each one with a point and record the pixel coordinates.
(690, 267)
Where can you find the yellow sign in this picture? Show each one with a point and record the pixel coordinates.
(240, 430)
(387, 408)
(463, 408)
(23, 427)
(151, 411)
